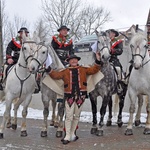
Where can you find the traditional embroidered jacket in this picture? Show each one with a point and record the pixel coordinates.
(116, 49)
(13, 49)
(75, 78)
(63, 46)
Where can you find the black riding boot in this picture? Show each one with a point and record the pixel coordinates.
(1, 78)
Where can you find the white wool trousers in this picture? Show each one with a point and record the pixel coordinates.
(71, 120)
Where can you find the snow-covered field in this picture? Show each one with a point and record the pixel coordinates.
(85, 116)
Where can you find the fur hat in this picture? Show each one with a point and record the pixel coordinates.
(63, 27)
(72, 56)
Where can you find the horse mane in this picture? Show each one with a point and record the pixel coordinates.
(138, 36)
(56, 63)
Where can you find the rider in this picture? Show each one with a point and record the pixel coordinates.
(116, 50)
(62, 44)
(12, 55)
(12, 52)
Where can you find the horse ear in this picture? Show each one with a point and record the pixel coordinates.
(97, 33)
(35, 37)
(133, 31)
(24, 37)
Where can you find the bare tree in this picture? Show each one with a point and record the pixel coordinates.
(42, 29)
(61, 12)
(93, 19)
(16, 25)
(81, 20)
(4, 23)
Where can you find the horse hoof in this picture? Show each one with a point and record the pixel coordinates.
(1, 136)
(43, 133)
(99, 132)
(93, 130)
(146, 131)
(23, 133)
(137, 122)
(14, 126)
(52, 123)
(56, 124)
(59, 134)
(108, 123)
(120, 124)
(128, 132)
(8, 125)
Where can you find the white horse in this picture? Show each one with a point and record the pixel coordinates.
(139, 81)
(47, 93)
(20, 84)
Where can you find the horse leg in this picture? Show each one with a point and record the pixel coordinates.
(105, 102)
(16, 106)
(24, 115)
(109, 122)
(59, 132)
(8, 124)
(138, 114)
(6, 116)
(93, 101)
(132, 97)
(147, 126)
(121, 102)
(52, 121)
(45, 114)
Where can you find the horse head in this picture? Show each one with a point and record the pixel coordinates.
(103, 45)
(27, 50)
(138, 45)
(39, 57)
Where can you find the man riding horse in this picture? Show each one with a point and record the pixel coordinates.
(62, 44)
(12, 52)
(12, 55)
(115, 50)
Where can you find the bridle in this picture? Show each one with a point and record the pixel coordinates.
(143, 57)
(30, 56)
(103, 44)
(20, 65)
(40, 45)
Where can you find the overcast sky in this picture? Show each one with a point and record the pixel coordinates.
(123, 12)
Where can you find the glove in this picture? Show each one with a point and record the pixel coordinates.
(48, 69)
(112, 51)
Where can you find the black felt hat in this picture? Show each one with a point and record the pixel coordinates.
(114, 31)
(72, 56)
(63, 27)
(23, 29)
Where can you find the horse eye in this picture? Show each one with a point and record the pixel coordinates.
(24, 48)
(131, 46)
(43, 52)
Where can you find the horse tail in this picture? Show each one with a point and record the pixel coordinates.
(116, 104)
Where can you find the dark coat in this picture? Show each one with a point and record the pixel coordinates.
(13, 47)
(116, 49)
(63, 48)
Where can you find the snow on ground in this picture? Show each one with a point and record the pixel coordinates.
(84, 117)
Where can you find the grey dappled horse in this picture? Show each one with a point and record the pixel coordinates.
(48, 94)
(139, 81)
(20, 84)
(105, 88)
